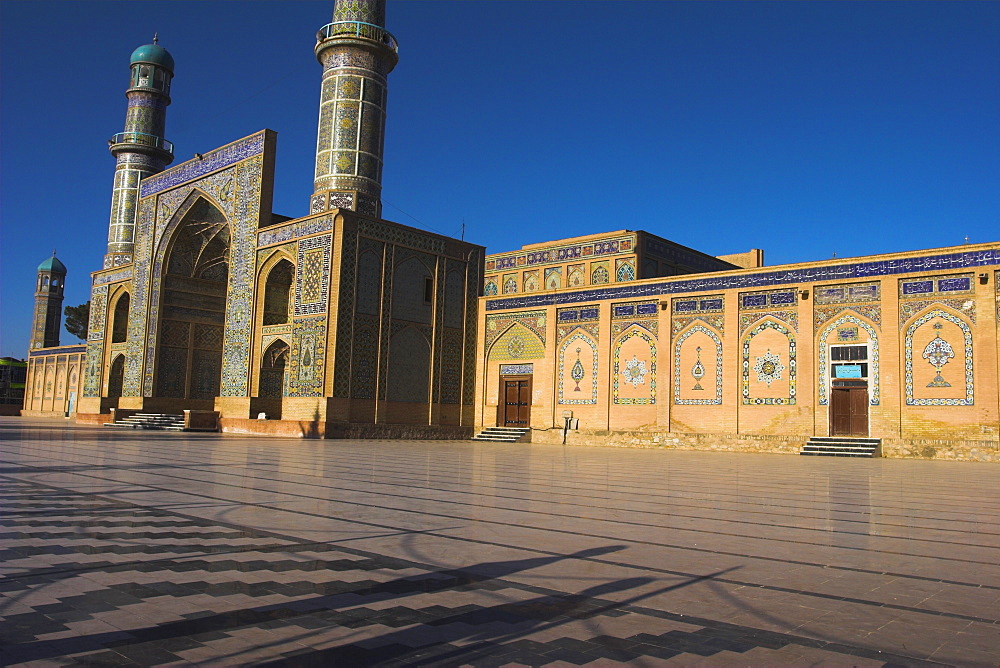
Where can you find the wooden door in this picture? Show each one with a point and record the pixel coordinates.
(515, 401)
(849, 411)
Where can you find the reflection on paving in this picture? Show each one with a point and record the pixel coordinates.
(141, 549)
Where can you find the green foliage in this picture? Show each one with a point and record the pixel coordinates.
(77, 318)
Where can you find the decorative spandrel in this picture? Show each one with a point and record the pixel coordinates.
(937, 353)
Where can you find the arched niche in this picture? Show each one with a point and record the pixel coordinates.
(273, 369)
(193, 305)
(277, 292)
(119, 318)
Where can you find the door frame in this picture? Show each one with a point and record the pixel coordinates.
(502, 397)
(836, 390)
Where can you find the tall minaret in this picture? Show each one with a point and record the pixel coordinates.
(357, 54)
(48, 303)
(141, 149)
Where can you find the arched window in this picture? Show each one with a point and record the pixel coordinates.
(510, 286)
(626, 272)
(491, 289)
(277, 293)
(600, 276)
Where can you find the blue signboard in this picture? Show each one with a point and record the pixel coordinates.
(847, 371)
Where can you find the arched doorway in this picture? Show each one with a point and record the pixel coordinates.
(193, 307)
(116, 377)
(272, 369)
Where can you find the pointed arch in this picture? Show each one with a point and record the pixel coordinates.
(634, 359)
(116, 376)
(191, 301)
(964, 356)
(118, 309)
(574, 371)
(516, 342)
(273, 369)
(698, 371)
(824, 349)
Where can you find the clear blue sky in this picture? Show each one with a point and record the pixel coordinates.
(803, 128)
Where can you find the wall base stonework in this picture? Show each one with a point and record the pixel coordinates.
(970, 451)
(965, 451)
(343, 430)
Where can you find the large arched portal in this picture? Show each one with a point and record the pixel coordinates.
(195, 275)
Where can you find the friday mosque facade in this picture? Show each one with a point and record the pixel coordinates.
(343, 324)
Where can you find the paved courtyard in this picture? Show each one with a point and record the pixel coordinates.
(125, 548)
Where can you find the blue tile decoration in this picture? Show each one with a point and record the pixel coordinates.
(646, 308)
(782, 298)
(710, 304)
(592, 313)
(873, 356)
(95, 341)
(683, 306)
(728, 281)
(212, 161)
(295, 230)
(963, 283)
(312, 276)
(498, 262)
(569, 315)
(911, 400)
(63, 350)
(753, 301)
(516, 369)
(113, 276)
(576, 348)
(635, 309)
(623, 310)
(634, 371)
(918, 287)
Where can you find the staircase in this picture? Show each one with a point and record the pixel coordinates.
(164, 421)
(501, 434)
(841, 446)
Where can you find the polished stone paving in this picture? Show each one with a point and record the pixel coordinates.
(142, 548)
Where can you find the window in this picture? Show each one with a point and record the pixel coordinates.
(428, 290)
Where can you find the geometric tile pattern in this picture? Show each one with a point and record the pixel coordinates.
(823, 314)
(908, 357)
(769, 401)
(873, 386)
(908, 308)
(861, 270)
(305, 376)
(498, 324)
(580, 343)
(946, 285)
(312, 280)
(620, 369)
(515, 259)
(846, 294)
(95, 341)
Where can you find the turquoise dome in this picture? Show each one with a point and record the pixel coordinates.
(52, 264)
(155, 54)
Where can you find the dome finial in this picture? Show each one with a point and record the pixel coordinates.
(156, 38)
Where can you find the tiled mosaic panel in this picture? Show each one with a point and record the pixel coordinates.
(95, 341)
(498, 324)
(312, 276)
(708, 310)
(473, 277)
(697, 377)
(847, 294)
(345, 306)
(294, 230)
(454, 295)
(961, 363)
(827, 273)
(937, 285)
(624, 270)
(306, 365)
(514, 259)
(910, 308)
(369, 287)
(364, 364)
(113, 276)
(634, 367)
(873, 355)
(517, 343)
(553, 278)
(823, 314)
(452, 357)
(409, 275)
(578, 369)
(757, 390)
(236, 189)
(750, 318)
(630, 310)
(599, 273)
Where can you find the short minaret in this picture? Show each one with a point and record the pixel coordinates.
(48, 304)
(357, 54)
(141, 149)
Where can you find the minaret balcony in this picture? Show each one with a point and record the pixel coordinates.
(357, 29)
(126, 140)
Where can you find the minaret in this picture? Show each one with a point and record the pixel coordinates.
(357, 54)
(141, 149)
(48, 303)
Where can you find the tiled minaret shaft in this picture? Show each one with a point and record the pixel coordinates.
(140, 149)
(357, 54)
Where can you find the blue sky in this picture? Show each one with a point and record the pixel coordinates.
(804, 128)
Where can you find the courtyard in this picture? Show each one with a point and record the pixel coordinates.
(145, 547)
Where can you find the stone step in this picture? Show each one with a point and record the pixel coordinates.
(160, 421)
(840, 446)
(501, 434)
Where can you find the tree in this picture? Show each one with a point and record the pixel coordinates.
(77, 319)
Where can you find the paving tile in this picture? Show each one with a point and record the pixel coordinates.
(205, 551)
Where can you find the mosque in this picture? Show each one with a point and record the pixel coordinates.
(214, 310)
